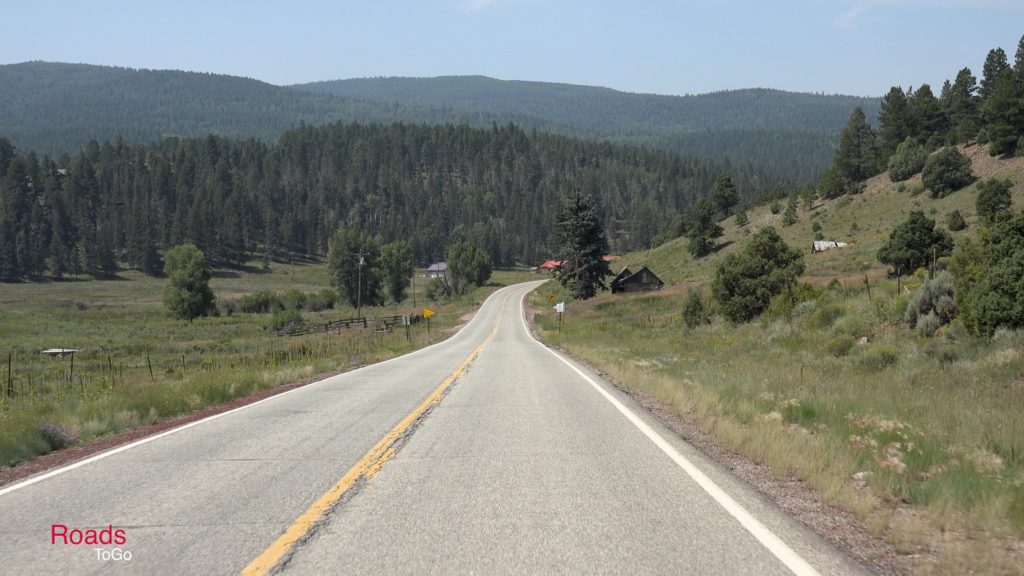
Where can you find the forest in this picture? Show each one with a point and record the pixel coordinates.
(54, 108)
(116, 205)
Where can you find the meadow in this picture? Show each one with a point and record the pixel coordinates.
(136, 365)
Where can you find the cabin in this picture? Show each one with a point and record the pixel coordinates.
(643, 280)
(550, 266)
(437, 270)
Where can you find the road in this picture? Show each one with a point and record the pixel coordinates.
(487, 453)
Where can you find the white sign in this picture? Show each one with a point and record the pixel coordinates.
(560, 307)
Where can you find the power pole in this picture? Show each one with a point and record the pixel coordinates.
(359, 288)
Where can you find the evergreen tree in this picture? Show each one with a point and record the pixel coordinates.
(724, 194)
(789, 216)
(857, 156)
(961, 106)
(989, 278)
(914, 243)
(353, 265)
(995, 64)
(746, 281)
(582, 245)
(909, 159)
(188, 293)
(396, 262)
(946, 171)
(994, 200)
(741, 217)
(929, 117)
(895, 121)
(1004, 114)
(955, 221)
(703, 229)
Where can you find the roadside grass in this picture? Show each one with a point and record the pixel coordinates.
(921, 438)
(137, 366)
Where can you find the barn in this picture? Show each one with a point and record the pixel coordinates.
(643, 280)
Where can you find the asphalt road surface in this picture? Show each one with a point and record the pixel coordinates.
(487, 453)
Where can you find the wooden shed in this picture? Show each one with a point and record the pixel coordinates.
(643, 280)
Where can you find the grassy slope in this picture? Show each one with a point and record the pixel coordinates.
(932, 427)
(120, 328)
(864, 221)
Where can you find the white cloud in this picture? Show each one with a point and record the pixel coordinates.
(848, 20)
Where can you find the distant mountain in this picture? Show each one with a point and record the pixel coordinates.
(764, 137)
(54, 108)
(607, 112)
(786, 136)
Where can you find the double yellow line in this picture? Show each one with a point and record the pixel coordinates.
(367, 467)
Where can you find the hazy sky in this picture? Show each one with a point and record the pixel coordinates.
(670, 47)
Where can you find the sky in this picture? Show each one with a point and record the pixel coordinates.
(860, 47)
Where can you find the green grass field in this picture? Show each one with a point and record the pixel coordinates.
(136, 365)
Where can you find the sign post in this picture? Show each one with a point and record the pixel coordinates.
(427, 313)
(560, 308)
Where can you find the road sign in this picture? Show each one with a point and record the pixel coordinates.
(551, 297)
(427, 312)
(560, 307)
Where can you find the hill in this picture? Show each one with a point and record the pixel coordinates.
(53, 108)
(864, 221)
(768, 137)
(788, 136)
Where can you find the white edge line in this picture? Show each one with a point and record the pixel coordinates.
(766, 537)
(58, 471)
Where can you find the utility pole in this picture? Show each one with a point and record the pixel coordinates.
(359, 288)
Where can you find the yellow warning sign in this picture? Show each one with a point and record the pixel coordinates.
(427, 312)
(551, 297)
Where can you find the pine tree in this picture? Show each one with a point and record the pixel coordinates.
(895, 121)
(857, 156)
(724, 194)
(929, 117)
(582, 245)
(914, 243)
(1004, 114)
(961, 106)
(703, 229)
(995, 64)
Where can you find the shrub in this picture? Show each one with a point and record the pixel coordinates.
(825, 316)
(840, 345)
(913, 244)
(946, 171)
(990, 278)
(936, 300)
(322, 300)
(694, 312)
(955, 221)
(879, 357)
(294, 299)
(775, 207)
(994, 199)
(437, 289)
(908, 160)
(288, 320)
(56, 435)
(260, 302)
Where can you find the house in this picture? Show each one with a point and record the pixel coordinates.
(550, 266)
(437, 270)
(643, 280)
(822, 245)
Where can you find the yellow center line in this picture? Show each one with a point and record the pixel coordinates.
(366, 467)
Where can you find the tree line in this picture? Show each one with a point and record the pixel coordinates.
(116, 205)
(913, 123)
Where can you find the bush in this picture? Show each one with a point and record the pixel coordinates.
(994, 199)
(286, 321)
(946, 171)
(879, 357)
(56, 435)
(840, 345)
(908, 160)
(825, 316)
(322, 300)
(437, 289)
(260, 302)
(955, 221)
(775, 207)
(934, 300)
(990, 278)
(694, 312)
(294, 299)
